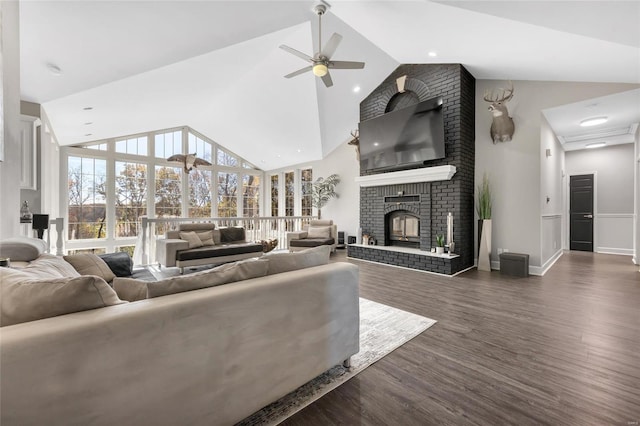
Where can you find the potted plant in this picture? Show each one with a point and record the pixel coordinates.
(483, 207)
(324, 190)
(439, 244)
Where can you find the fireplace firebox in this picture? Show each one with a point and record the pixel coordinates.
(403, 229)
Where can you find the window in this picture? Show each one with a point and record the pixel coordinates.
(130, 197)
(307, 185)
(289, 194)
(226, 159)
(98, 147)
(168, 144)
(168, 201)
(274, 195)
(86, 178)
(201, 147)
(250, 196)
(200, 193)
(135, 146)
(227, 194)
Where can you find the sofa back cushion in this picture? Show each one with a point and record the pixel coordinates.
(132, 290)
(24, 298)
(285, 262)
(186, 227)
(323, 232)
(90, 264)
(49, 266)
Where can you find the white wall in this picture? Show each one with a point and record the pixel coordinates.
(345, 210)
(515, 167)
(552, 182)
(614, 203)
(10, 167)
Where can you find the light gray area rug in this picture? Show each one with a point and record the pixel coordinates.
(382, 329)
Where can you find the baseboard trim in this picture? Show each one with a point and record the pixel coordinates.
(541, 270)
(613, 250)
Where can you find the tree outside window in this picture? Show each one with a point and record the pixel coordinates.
(250, 196)
(227, 194)
(87, 202)
(131, 197)
(307, 190)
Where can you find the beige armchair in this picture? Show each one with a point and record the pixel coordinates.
(316, 233)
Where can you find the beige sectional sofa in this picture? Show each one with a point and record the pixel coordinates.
(205, 357)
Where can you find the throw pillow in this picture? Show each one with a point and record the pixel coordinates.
(120, 263)
(25, 299)
(323, 232)
(22, 249)
(132, 290)
(48, 265)
(232, 234)
(206, 237)
(285, 262)
(90, 264)
(192, 238)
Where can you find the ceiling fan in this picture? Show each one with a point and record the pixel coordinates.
(321, 61)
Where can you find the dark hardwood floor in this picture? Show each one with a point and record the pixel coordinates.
(563, 349)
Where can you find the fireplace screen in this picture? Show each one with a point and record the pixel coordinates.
(404, 228)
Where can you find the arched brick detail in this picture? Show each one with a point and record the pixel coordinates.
(419, 87)
(415, 209)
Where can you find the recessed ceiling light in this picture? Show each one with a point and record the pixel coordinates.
(87, 108)
(88, 134)
(299, 150)
(54, 69)
(356, 89)
(596, 145)
(587, 122)
(376, 144)
(88, 122)
(432, 54)
(279, 156)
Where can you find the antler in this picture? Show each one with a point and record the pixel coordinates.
(356, 137)
(505, 96)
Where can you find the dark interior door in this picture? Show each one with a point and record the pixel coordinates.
(581, 213)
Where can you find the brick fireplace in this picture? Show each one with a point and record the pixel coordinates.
(425, 195)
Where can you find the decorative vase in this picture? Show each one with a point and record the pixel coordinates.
(484, 252)
(439, 250)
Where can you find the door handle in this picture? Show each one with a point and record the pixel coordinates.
(588, 216)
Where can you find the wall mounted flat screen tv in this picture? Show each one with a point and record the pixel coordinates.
(403, 138)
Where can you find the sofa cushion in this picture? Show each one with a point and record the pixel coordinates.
(90, 264)
(27, 299)
(49, 266)
(232, 234)
(22, 249)
(218, 251)
(285, 262)
(132, 290)
(120, 263)
(311, 242)
(319, 232)
(192, 238)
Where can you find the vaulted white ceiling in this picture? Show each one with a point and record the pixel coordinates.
(216, 66)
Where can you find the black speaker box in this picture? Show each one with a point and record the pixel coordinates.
(351, 239)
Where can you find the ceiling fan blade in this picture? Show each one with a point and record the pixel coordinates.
(326, 79)
(345, 65)
(296, 52)
(300, 71)
(331, 46)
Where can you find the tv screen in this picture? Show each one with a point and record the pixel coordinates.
(403, 138)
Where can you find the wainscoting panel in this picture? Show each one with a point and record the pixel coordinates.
(551, 236)
(614, 233)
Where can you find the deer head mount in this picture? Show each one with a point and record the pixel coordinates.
(355, 141)
(502, 127)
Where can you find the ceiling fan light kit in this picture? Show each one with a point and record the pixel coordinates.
(321, 61)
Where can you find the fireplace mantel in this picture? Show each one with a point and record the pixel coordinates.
(426, 174)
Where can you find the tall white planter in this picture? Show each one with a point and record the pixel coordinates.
(484, 252)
